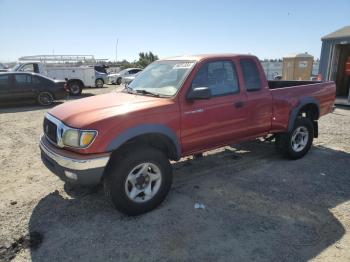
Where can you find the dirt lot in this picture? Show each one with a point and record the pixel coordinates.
(258, 206)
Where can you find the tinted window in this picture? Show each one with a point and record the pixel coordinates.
(251, 74)
(100, 69)
(23, 79)
(4, 80)
(220, 77)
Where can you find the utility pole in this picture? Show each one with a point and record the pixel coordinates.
(116, 52)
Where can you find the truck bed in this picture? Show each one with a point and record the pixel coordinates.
(275, 84)
(288, 95)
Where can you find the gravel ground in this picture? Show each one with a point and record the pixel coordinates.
(258, 206)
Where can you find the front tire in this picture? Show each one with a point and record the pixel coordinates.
(297, 142)
(99, 83)
(45, 98)
(138, 180)
(119, 81)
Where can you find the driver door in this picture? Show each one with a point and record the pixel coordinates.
(220, 119)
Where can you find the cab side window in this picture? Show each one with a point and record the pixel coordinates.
(219, 76)
(251, 75)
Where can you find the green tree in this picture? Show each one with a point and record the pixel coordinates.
(146, 58)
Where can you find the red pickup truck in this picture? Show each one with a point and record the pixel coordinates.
(177, 107)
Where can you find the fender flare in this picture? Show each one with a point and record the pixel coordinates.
(133, 132)
(295, 111)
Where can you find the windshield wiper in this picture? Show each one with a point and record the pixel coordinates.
(129, 90)
(145, 92)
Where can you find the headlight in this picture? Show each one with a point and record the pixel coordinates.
(78, 138)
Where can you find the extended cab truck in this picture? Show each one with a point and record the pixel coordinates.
(177, 107)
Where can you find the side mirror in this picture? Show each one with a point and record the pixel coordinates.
(199, 93)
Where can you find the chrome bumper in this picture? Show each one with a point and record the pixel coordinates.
(74, 163)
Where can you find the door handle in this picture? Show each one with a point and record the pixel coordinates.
(239, 104)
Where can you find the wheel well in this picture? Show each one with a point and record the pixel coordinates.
(100, 79)
(310, 111)
(75, 80)
(155, 140)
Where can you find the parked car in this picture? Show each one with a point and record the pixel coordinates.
(177, 107)
(117, 78)
(19, 86)
(126, 80)
(277, 77)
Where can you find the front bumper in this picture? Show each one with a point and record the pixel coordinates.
(73, 167)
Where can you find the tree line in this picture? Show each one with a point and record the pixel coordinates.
(145, 58)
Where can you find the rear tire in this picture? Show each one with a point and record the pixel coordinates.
(138, 180)
(75, 88)
(297, 142)
(45, 98)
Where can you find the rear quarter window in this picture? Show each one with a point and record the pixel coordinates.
(251, 75)
(36, 80)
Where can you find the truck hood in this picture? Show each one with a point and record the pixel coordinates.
(82, 113)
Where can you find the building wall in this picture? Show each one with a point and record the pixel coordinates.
(327, 52)
(324, 59)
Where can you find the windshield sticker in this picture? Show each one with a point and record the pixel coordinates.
(183, 65)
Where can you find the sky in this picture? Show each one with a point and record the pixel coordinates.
(268, 29)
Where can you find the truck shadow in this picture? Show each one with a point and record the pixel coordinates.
(258, 207)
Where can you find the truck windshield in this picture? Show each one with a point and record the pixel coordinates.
(162, 77)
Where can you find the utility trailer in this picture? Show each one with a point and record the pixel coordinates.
(77, 70)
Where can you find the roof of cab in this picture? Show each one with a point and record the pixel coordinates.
(204, 56)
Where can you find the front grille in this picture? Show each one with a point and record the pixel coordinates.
(50, 130)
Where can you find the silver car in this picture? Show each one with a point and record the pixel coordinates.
(118, 77)
(128, 79)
